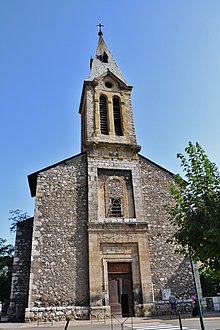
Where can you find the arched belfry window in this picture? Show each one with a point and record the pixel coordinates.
(117, 115)
(103, 114)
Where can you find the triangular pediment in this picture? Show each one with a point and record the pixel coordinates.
(105, 78)
(110, 77)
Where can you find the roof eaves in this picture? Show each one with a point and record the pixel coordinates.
(155, 164)
(32, 178)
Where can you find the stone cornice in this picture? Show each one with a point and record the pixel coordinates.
(118, 226)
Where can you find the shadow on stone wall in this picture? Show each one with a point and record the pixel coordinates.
(80, 241)
(21, 270)
(180, 282)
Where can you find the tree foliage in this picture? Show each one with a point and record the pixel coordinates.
(15, 217)
(6, 261)
(196, 211)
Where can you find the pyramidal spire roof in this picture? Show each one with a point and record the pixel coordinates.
(103, 61)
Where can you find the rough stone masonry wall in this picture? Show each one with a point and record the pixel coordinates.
(169, 270)
(59, 270)
(21, 269)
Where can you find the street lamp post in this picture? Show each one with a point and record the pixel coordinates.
(197, 295)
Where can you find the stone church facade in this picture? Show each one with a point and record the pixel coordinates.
(98, 239)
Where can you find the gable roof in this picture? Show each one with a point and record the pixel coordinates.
(32, 178)
(155, 164)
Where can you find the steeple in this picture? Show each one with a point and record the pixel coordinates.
(107, 125)
(103, 61)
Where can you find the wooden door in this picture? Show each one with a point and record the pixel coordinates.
(121, 298)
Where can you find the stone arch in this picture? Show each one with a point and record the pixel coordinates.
(116, 199)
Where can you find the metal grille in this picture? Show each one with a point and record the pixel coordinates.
(115, 209)
(103, 115)
(117, 116)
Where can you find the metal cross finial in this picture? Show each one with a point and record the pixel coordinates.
(100, 29)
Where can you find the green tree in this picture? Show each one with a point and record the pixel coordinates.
(196, 211)
(16, 216)
(6, 261)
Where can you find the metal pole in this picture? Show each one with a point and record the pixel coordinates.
(197, 295)
(180, 321)
(67, 322)
(111, 322)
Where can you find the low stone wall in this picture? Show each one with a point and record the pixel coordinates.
(56, 314)
(163, 307)
(48, 314)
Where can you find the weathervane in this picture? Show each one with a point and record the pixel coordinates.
(100, 29)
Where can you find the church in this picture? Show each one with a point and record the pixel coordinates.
(98, 238)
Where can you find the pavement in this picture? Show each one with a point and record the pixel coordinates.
(115, 323)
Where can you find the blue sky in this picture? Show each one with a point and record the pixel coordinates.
(168, 50)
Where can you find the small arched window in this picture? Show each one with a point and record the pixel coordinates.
(103, 114)
(117, 116)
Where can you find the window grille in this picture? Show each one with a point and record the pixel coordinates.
(103, 115)
(115, 209)
(117, 116)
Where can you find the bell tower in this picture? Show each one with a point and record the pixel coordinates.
(107, 126)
